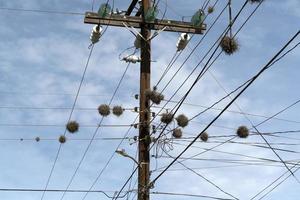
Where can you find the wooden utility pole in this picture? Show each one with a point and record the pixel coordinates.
(145, 73)
(144, 130)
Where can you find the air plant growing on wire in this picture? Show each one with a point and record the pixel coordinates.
(242, 132)
(117, 110)
(166, 118)
(104, 110)
(177, 133)
(72, 126)
(182, 120)
(62, 139)
(229, 45)
(204, 136)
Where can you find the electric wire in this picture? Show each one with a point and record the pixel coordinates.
(41, 11)
(228, 105)
(69, 118)
(95, 132)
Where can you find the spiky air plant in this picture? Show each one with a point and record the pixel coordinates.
(72, 126)
(156, 97)
(177, 133)
(166, 118)
(104, 110)
(182, 120)
(229, 45)
(117, 110)
(242, 132)
(210, 9)
(204, 137)
(62, 139)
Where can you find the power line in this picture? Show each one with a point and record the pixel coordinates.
(58, 191)
(41, 11)
(228, 105)
(69, 118)
(188, 195)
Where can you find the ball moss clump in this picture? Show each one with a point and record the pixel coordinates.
(166, 118)
(62, 139)
(182, 120)
(210, 9)
(156, 97)
(177, 133)
(204, 137)
(229, 45)
(242, 132)
(104, 110)
(37, 139)
(72, 126)
(117, 110)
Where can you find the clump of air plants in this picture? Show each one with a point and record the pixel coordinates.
(255, 1)
(117, 110)
(210, 9)
(72, 126)
(229, 45)
(136, 96)
(62, 139)
(104, 110)
(166, 118)
(204, 137)
(154, 96)
(177, 133)
(242, 132)
(37, 139)
(182, 120)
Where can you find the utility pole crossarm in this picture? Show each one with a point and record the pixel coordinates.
(134, 21)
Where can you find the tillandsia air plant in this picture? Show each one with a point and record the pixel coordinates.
(229, 45)
(242, 132)
(117, 110)
(72, 126)
(104, 110)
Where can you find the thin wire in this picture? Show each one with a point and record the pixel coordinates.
(69, 191)
(118, 195)
(42, 11)
(70, 116)
(281, 57)
(189, 195)
(228, 105)
(275, 182)
(95, 132)
(206, 179)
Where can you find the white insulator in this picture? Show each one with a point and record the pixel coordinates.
(96, 34)
(183, 41)
(137, 42)
(132, 59)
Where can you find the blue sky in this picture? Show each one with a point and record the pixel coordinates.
(42, 58)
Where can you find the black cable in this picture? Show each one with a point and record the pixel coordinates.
(42, 11)
(228, 105)
(275, 182)
(96, 131)
(281, 57)
(70, 116)
(206, 179)
(188, 195)
(69, 191)
(132, 174)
